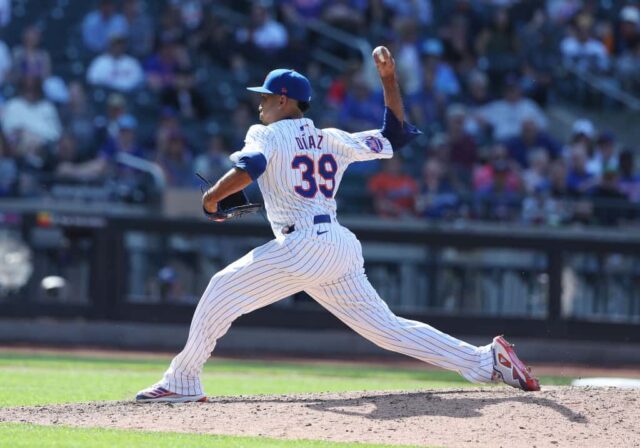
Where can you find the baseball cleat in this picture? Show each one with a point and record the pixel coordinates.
(159, 394)
(508, 368)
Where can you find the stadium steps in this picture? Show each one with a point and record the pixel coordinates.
(621, 122)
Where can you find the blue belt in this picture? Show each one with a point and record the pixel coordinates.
(318, 219)
(322, 219)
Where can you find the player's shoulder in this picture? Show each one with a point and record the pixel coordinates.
(259, 132)
(333, 131)
(258, 129)
(338, 134)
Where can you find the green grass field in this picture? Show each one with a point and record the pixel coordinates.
(18, 436)
(48, 379)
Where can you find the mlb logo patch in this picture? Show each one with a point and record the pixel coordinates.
(373, 143)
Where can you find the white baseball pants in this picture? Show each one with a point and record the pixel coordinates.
(324, 260)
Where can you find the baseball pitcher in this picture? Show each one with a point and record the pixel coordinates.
(298, 168)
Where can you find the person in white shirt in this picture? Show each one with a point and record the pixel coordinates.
(506, 115)
(115, 69)
(265, 32)
(581, 50)
(30, 116)
(605, 156)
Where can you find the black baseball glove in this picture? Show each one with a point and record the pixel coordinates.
(231, 207)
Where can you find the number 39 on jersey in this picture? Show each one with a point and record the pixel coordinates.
(316, 177)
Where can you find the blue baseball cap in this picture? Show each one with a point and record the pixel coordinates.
(285, 82)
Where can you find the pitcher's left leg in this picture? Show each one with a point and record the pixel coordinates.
(354, 301)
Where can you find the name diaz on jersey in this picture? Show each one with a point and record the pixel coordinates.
(308, 142)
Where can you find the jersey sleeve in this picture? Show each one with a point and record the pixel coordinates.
(254, 156)
(377, 143)
(361, 146)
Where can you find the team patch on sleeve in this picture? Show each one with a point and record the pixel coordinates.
(374, 144)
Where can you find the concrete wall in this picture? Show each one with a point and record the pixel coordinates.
(342, 343)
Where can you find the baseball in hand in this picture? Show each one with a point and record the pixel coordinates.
(381, 54)
(384, 62)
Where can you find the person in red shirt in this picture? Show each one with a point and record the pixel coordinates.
(394, 192)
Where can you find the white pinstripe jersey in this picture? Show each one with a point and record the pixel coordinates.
(305, 166)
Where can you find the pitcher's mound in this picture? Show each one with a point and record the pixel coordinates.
(491, 417)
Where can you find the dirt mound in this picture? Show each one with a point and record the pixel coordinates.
(492, 417)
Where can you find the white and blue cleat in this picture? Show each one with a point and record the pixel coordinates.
(158, 394)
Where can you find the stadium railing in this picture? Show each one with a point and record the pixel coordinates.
(465, 278)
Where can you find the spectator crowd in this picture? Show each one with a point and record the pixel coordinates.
(163, 81)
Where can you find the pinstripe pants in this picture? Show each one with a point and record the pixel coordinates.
(330, 268)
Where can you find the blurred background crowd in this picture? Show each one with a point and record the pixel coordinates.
(122, 100)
